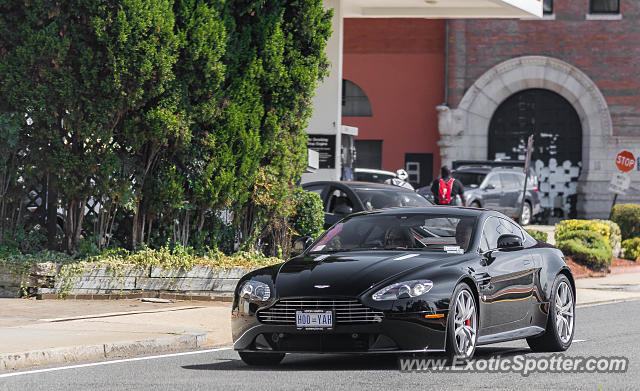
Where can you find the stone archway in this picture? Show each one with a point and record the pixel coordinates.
(464, 130)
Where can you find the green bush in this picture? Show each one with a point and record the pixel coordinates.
(539, 235)
(586, 248)
(615, 236)
(568, 226)
(632, 249)
(308, 218)
(627, 216)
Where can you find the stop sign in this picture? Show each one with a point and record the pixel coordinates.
(625, 161)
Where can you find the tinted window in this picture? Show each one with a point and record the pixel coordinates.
(494, 227)
(391, 198)
(512, 181)
(372, 177)
(338, 200)
(319, 189)
(494, 179)
(419, 231)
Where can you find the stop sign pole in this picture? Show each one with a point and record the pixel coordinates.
(625, 161)
(527, 163)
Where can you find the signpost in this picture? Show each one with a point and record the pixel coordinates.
(625, 161)
(527, 163)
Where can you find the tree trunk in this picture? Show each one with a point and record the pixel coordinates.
(134, 227)
(52, 212)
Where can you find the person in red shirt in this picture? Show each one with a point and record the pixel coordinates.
(445, 189)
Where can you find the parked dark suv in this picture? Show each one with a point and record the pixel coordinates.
(498, 186)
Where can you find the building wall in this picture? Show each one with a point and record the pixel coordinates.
(605, 50)
(590, 61)
(399, 63)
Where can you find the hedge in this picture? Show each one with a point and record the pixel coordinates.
(586, 248)
(308, 219)
(608, 229)
(539, 235)
(627, 216)
(632, 249)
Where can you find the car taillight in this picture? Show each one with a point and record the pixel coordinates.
(535, 189)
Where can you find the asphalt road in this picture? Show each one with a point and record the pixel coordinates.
(604, 330)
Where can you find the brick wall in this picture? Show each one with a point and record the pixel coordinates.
(608, 51)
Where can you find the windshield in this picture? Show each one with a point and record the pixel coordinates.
(410, 231)
(469, 179)
(390, 198)
(373, 177)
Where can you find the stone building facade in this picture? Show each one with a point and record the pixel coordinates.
(572, 79)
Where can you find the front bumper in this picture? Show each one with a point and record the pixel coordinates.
(395, 333)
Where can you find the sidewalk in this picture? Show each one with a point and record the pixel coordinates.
(43, 332)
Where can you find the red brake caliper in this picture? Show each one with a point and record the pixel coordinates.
(467, 322)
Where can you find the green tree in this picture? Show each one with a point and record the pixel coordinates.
(78, 69)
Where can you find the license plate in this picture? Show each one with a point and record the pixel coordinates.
(314, 319)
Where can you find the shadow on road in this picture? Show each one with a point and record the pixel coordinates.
(347, 362)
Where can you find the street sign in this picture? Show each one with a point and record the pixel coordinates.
(625, 161)
(619, 183)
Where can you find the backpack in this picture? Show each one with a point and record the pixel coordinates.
(444, 191)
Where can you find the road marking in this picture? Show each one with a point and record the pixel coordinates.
(579, 340)
(113, 314)
(112, 362)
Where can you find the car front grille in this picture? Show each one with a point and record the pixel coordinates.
(347, 311)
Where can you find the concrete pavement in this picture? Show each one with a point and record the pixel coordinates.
(45, 332)
(35, 332)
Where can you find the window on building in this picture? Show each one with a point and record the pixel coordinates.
(547, 7)
(355, 102)
(604, 6)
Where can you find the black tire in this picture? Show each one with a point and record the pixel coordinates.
(475, 204)
(452, 341)
(261, 359)
(552, 340)
(525, 217)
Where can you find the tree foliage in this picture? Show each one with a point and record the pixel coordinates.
(152, 120)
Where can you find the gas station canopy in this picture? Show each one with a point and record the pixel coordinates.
(441, 8)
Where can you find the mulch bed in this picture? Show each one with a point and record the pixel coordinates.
(618, 266)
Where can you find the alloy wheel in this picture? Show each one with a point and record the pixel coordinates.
(465, 322)
(564, 312)
(525, 219)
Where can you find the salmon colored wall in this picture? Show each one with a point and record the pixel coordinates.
(399, 64)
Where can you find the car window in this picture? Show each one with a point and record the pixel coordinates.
(389, 198)
(511, 181)
(338, 202)
(494, 227)
(494, 179)
(469, 179)
(372, 177)
(417, 231)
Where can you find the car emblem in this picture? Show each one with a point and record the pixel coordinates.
(321, 286)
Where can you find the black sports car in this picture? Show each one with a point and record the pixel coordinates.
(432, 279)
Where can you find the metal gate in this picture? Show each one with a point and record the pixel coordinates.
(557, 154)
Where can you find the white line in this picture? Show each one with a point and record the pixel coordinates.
(111, 362)
(579, 340)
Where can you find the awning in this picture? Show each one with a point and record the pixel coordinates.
(442, 9)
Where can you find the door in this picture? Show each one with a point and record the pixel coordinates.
(491, 192)
(419, 166)
(511, 195)
(507, 283)
(369, 154)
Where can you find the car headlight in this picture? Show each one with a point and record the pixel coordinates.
(255, 290)
(401, 290)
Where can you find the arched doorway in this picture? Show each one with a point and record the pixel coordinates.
(557, 153)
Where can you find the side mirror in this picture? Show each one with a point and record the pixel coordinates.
(301, 244)
(489, 186)
(343, 210)
(508, 242)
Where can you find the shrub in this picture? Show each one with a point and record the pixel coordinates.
(568, 226)
(308, 219)
(587, 248)
(539, 235)
(632, 249)
(627, 216)
(615, 237)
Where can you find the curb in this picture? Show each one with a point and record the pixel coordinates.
(193, 340)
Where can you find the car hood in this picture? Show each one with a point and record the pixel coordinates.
(350, 273)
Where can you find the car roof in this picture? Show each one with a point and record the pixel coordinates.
(358, 185)
(435, 209)
(374, 171)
